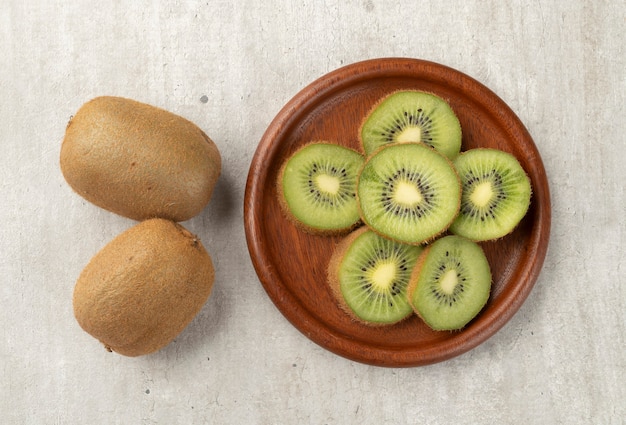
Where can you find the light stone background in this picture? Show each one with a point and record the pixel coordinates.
(229, 67)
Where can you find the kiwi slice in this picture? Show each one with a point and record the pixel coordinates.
(412, 116)
(317, 186)
(408, 192)
(369, 275)
(496, 194)
(450, 284)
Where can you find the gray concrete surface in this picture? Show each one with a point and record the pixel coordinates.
(230, 67)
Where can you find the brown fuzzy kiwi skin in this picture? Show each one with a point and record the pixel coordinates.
(428, 240)
(139, 161)
(415, 274)
(144, 287)
(285, 207)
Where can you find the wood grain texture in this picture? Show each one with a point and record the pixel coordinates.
(292, 264)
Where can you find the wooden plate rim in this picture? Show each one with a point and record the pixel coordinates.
(273, 283)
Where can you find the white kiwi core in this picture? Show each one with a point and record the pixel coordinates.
(407, 194)
(410, 134)
(328, 184)
(482, 194)
(383, 275)
(448, 281)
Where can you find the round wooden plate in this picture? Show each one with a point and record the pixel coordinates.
(292, 264)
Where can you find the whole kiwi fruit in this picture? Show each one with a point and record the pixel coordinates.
(144, 287)
(139, 161)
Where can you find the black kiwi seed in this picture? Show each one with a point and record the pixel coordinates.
(414, 178)
(346, 185)
(411, 119)
(468, 208)
(445, 266)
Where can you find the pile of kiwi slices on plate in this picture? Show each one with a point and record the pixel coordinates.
(413, 209)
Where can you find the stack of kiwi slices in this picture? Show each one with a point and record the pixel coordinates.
(413, 208)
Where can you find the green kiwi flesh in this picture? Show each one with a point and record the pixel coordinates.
(496, 194)
(317, 187)
(408, 192)
(369, 275)
(412, 116)
(451, 283)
